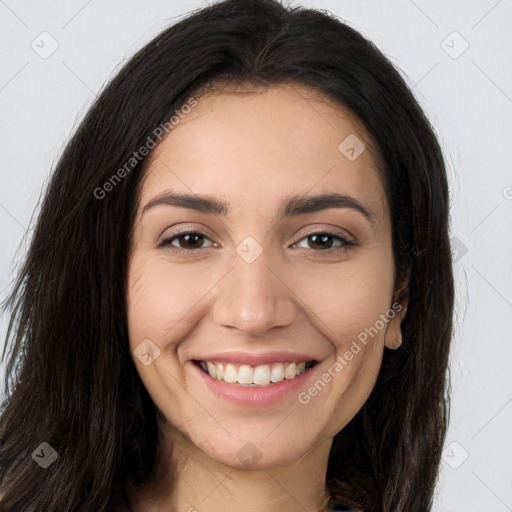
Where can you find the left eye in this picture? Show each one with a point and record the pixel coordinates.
(323, 241)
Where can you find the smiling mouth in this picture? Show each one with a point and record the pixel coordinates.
(256, 376)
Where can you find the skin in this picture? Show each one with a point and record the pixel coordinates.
(253, 148)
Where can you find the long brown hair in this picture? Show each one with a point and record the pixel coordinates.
(70, 379)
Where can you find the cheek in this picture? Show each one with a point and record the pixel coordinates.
(159, 298)
(347, 306)
(349, 299)
(162, 306)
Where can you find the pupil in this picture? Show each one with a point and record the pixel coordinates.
(321, 239)
(191, 239)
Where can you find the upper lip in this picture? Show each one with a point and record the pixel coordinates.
(256, 359)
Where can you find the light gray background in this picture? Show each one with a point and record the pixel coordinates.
(468, 97)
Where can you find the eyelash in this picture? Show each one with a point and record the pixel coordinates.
(345, 243)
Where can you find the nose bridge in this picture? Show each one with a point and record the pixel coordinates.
(251, 297)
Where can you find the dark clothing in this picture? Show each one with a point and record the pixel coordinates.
(342, 506)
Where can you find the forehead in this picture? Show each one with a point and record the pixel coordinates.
(251, 145)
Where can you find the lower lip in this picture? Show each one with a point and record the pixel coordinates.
(252, 395)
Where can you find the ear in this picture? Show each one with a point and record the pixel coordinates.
(397, 312)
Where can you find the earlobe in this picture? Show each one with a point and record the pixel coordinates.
(393, 336)
(397, 343)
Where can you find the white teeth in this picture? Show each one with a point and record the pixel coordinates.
(247, 375)
(211, 369)
(262, 375)
(290, 371)
(277, 373)
(230, 373)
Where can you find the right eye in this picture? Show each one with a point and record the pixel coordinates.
(185, 241)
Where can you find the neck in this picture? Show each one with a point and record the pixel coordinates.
(188, 480)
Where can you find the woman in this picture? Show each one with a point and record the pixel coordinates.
(239, 292)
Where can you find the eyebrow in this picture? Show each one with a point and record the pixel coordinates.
(293, 205)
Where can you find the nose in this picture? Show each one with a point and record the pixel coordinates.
(253, 298)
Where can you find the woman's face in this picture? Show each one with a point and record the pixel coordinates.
(288, 260)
